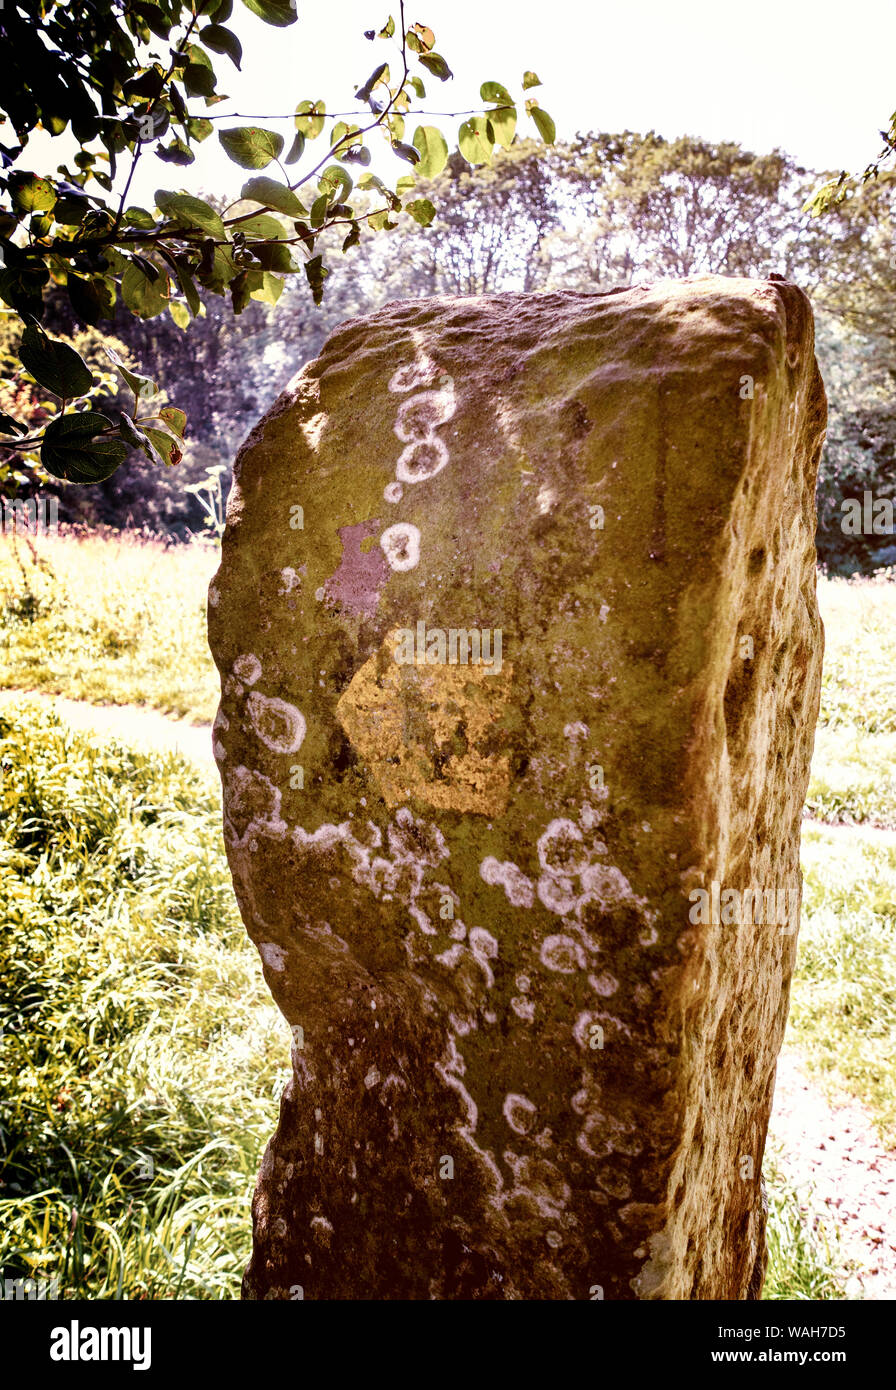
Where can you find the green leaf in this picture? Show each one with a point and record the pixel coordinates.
(378, 74)
(154, 18)
(335, 182)
(503, 122)
(530, 79)
(169, 448)
(387, 30)
(142, 386)
(379, 221)
(22, 290)
(250, 146)
(138, 439)
(198, 128)
(179, 313)
(417, 84)
(270, 290)
(296, 149)
(353, 238)
(406, 152)
(144, 297)
(374, 181)
(175, 153)
(191, 212)
(356, 154)
(10, 426)
(91, 300)
(30, 193)
(493, 91)
(422, 211)
(240, 291)
(70, 451)
(474, 141)
(199, 81)
(273, 195)
(319, 209)
(546, 128)
(280, 13)
(309, 118)
(139, 217)
(187, 288)
(54, 365)
(221, 40)
(262, 226)
(276, 256)
(219, 14)
(435, 63)
(175, 419)
(217, 269)
(433, 150)
(70, 211)
(316, 273)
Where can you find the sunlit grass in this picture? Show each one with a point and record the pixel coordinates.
(804, 1261)
(843, 1005)
(113, 619)
(859, 680)
(143, 1056)
(853, 776)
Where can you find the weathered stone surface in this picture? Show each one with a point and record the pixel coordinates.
(477, 904)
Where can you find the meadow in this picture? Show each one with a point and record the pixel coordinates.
(148, 1057)
(114, 618)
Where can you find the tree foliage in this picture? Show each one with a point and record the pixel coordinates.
(129, 78)
(601, 212)
(837, 188)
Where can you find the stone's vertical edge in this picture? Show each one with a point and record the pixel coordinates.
(758, 730)
(518, 1070)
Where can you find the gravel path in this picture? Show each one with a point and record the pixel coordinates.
(830, 1153)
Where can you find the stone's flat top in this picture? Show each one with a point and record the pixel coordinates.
(467, 864)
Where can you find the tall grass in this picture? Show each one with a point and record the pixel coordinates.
(111, 618)
(804, 1261)
(146, 1054)
(843, 1004)
(854, 768)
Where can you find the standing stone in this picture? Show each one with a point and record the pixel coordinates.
(520, 662)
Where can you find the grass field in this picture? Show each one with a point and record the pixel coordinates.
(117, 620)
(854, 769)
(149, 1057)
(133, 1010)
(843, 1008)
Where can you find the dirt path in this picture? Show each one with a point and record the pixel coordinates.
(884, 834)
(143, 728)
(830, 1153)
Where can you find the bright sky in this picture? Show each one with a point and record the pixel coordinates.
(814, 77)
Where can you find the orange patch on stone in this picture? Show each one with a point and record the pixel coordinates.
(431, 732)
